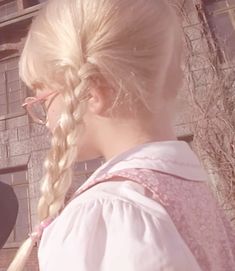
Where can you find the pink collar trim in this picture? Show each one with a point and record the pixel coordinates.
(170, 157)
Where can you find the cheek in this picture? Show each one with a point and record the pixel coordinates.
(54, 112)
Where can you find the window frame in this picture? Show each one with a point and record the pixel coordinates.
(8, 2)
(211, 37)
(23, 89)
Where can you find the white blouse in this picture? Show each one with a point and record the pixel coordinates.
(114, 226)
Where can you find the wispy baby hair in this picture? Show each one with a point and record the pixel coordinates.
(131, 47)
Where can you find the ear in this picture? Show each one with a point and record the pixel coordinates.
(97, 103)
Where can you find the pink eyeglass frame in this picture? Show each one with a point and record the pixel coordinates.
(39, 98)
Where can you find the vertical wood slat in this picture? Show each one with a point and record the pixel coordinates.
(20, 5)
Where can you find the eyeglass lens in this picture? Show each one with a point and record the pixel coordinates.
(37, 112)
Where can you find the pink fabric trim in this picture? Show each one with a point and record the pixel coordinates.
(38, 231)
(175, 162)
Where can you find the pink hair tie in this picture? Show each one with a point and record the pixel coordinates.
(37, 233)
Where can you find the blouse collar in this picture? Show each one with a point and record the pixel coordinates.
(170, 157)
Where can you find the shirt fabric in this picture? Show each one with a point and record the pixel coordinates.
(119, 225)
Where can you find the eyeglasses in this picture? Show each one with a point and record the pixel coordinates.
(36, 108)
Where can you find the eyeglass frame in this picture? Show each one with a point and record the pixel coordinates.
(44, 97)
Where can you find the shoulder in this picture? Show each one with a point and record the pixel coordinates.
(109, 210)
(106, 226)
(7, 195)
(5, 188)
(8, 211)
(124, 192)
(121, 203)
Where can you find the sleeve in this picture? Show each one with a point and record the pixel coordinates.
(117, 235)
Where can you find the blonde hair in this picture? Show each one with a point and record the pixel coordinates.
(130, 46)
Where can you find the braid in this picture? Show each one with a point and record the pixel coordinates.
(58, 177)
(63, 152)
(62, 155)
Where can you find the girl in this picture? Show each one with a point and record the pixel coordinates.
(106, 73)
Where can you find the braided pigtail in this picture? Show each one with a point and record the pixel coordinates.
(58, 165)
(64, 151)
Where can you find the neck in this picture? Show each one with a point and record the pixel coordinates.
(123, 136)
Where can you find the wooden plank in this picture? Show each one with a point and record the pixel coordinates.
(20, 4)
(223, 10)
(16, 20)
(4, 1)
(21, 15)
(10, 46)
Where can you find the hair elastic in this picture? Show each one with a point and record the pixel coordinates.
(38, 231)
